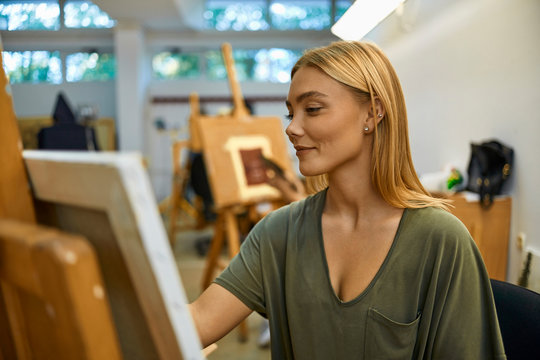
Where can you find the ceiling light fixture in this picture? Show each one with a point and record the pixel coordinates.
(362, 17)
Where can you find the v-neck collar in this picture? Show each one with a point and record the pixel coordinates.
(325, 262)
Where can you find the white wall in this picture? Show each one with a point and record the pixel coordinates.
(39, 99)
(470, 74)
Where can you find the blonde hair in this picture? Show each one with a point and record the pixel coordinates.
(365, 70)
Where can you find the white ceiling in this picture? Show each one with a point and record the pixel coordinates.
(156, 14)
(181, 15)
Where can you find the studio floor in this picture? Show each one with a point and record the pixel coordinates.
(191, 265)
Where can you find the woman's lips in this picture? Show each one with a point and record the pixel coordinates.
(302, 150)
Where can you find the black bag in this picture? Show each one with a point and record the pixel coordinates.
(489, 167)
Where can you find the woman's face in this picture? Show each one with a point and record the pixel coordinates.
(327, 122)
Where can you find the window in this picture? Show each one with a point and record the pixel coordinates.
(272, 65)
(253, 15)
(90, 67)
(341, 7)
(244, 61)
(300, 14)
(45, 15)
(44, 66)
(172, 65)
(84, 14)
(29, 16)
(33, 67)
(225, 15)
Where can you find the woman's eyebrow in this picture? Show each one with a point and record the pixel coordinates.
(305, 95)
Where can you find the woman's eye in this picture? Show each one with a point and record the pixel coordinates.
(311, 110)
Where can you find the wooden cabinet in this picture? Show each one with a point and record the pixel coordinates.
(490, 229)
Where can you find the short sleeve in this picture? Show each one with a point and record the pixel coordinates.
(468, 327)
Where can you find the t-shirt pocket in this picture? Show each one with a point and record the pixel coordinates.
(389, 339)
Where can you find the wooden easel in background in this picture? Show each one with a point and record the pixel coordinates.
(223, 138)
(179, 206)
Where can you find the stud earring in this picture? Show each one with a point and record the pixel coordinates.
(366, 129)
(380, 115)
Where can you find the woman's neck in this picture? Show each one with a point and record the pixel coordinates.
(351, 194)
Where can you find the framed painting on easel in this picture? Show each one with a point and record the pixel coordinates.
(234, 152)
(107, 198)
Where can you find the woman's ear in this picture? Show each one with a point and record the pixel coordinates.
(374, 117)
(379, 112)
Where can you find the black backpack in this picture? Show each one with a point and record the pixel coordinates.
(489, 168)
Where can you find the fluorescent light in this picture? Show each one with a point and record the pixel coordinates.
(362, 17)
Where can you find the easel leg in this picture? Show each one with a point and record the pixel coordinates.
(233, 235)
(233, 242)
(173, 213)
(226, 224)
(213, 253)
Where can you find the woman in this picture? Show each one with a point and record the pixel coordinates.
(371, 266)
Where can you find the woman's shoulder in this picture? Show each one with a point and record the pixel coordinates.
(436, 223)
(438, 234)
(435, 217)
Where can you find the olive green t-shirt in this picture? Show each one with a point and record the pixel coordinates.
(431, 298)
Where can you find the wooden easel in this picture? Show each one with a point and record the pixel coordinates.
(178, 203)
(54, 302)
(45, 274)
(231, 196)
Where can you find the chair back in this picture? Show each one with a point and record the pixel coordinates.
(518, 310)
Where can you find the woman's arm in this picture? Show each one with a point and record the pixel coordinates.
(216, 312)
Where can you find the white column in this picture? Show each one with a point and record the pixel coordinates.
(131, 85)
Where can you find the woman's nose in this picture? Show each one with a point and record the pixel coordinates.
(294, 128)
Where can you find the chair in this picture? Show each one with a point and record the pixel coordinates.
(66, 134)
(518, 310)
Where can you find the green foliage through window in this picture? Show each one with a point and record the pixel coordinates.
(244, 63)
(341, 7)
(171, 65)
(253, 15)
(272, 65)
(29, 16)
(84, 14)
(33, 66)
(225, 15)
(90, 67)
(45, 15)
(300, 14)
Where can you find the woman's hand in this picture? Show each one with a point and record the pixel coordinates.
(290, 187)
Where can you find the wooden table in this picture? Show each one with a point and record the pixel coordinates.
(490, 229)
